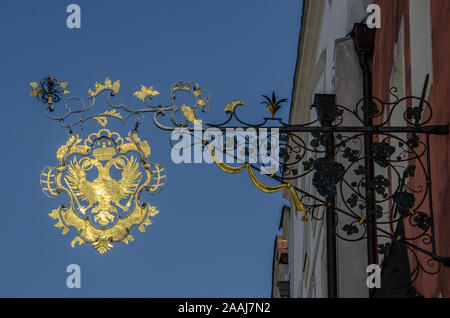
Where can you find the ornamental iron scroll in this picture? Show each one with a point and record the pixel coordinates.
(326, 150)
(306, 149)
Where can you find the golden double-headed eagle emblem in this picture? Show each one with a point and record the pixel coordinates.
(103, 177)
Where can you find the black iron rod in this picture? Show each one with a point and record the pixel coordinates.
(331, 228)
(372, 257)
(430, 198)
(435, 130)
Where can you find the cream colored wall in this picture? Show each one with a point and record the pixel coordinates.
(323, 22)
(352, 256)
(421, 44)
(308, 73)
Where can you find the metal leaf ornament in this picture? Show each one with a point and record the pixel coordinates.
(273, 104)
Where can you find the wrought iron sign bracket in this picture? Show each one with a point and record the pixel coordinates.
(342, 162)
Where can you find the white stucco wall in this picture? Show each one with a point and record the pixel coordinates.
(336, 21)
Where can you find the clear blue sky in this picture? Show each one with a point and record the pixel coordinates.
(214, 234)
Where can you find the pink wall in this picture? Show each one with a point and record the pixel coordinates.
(391, 16)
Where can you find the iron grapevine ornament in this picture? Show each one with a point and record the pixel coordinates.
(102, 175)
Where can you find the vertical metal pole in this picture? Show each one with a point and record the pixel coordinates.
(368, 164)
(364, 39)
(428, 181)
(323, 101)
(430, 197)
(331, 228)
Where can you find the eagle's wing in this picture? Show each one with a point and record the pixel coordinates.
(76, 180)
(131, 177)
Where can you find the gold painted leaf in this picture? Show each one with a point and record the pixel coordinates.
(76, 240)
(145, 148)
(107, 85)
(153, 211)
(142, 226)
(36, 91)
(139, 95)
(54, 214)
(273, 108)
(116, 87)
(229, 108)
(131, 146)
(102, 245)
(189, 114)
(113, 113)
(129, 238)
(60, 224)
(144, 92)
(147, 221)
(64, 149)
(103, 121)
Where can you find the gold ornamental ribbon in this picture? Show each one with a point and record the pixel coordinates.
(258, 183)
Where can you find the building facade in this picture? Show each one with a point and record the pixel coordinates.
(408, 46)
